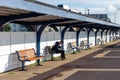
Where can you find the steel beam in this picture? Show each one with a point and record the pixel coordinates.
(44, 22)
(55, 28)
(11, 18)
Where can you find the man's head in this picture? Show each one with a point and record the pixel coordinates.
(61, 42)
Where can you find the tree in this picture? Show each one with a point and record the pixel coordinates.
(7, 28)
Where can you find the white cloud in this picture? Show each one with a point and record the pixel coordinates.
(82, 2)
(110, 7)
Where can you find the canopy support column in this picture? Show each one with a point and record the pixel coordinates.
(106, 36)
(110, 35)
(88, 35)
(63, 33)
(77, 36)
(39, 33)
(102, 36)
(96, 36)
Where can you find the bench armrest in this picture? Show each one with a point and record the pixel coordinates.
(23, 58)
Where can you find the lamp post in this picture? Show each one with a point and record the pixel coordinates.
(87, 11)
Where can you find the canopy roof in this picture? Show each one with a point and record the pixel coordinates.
(44, 13)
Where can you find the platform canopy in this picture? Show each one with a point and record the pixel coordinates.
(34, 12)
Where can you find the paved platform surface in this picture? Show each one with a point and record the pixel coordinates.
(93, 64)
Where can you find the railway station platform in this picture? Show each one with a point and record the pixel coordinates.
(97, 63)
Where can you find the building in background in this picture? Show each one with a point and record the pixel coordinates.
(68, 8)
(64, 6)
(101, 17)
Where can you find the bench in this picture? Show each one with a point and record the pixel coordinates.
(72, 45)
(82, 45)
(48, 50)
(85, 45)
(27, 55)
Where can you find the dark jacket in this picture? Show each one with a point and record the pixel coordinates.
(56, 46)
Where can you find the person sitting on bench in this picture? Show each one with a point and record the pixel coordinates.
(57, 48)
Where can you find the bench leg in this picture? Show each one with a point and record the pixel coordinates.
(38, 63)
(23, 66)
(73, 50)
(52, 57)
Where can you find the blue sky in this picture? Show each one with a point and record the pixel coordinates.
(110, 7)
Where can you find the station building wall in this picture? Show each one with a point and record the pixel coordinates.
(12, 41)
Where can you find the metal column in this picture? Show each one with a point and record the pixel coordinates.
(96, 36)
(88, 33)
(77, 37)
(39, 33)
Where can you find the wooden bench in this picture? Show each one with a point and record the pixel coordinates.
(73, 46)
(48, 50)
(28, 55)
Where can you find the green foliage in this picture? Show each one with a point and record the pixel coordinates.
(77, 51)
(6, 28)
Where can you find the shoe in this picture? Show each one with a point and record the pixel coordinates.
(63, 58)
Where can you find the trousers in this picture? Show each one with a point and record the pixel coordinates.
(62, 53)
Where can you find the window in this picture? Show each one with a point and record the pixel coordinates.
(12, 27)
